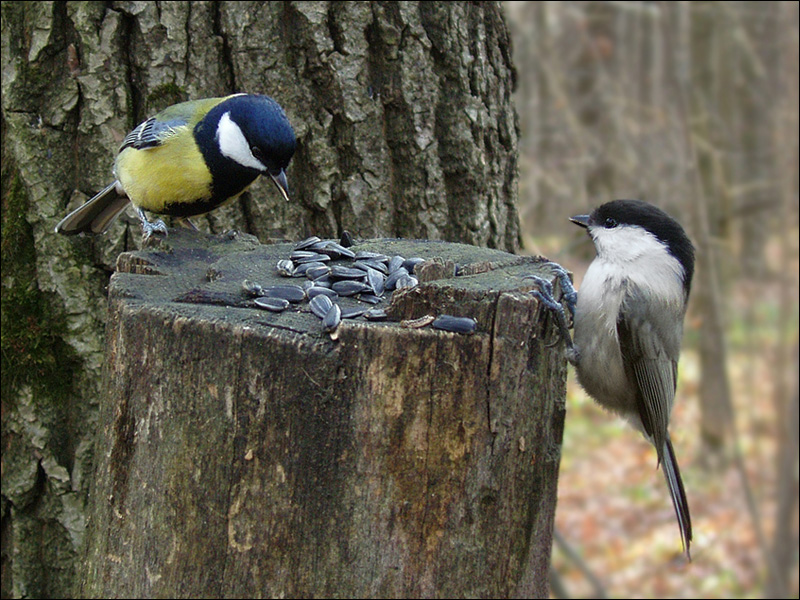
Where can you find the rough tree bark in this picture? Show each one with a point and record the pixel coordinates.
(406, 128)
(245, 453)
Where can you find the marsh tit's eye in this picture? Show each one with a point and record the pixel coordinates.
(610, 223)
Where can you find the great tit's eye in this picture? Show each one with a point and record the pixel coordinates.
(258, 154)
(610, 223)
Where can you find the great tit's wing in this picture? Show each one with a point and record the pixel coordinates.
(172, 120)
(152, 132)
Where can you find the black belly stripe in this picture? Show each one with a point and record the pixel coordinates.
(228, 178)
(228, 188)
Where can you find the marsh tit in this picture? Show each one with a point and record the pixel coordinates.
(628, 323)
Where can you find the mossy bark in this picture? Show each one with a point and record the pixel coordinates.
(405, 126)
(247, 454)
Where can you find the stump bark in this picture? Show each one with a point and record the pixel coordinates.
(245, 453)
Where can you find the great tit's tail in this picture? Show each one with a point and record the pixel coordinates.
(97, 215)
(673, 476)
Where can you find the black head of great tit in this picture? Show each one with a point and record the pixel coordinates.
(628, 324)
(189, 159)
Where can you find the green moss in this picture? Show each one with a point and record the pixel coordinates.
(33, 351)
(163, 96)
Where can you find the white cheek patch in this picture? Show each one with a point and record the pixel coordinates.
(233, 144)
(626, 243)
(633, 252)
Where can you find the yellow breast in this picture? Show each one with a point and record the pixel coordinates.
(155, 178)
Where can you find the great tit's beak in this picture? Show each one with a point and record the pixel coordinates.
(280, 181)
(580, 220)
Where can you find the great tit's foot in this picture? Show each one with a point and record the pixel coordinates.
(157, 228)
(547, 299)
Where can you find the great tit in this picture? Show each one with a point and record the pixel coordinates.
(189, 159)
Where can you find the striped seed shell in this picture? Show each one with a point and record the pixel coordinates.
(391, 280)
(342, 272)
(309, 241)
(272, 304)
(320, 305)
(348, 287)
(455, 324)
(292, 293)
(333, 317)
(285, 268)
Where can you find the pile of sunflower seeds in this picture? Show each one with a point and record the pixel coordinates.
(331, 271)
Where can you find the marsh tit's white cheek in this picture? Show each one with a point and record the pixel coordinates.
(630, 253)
(625, 243)
(233, 144)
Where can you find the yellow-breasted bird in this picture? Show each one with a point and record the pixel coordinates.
(189, 159)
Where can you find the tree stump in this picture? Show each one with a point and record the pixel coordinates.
(245, 453)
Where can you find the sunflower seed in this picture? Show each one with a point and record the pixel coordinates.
(319, 246)
(310, 241)
(376, 281)
(410, 263)
(318, 290)
(335, 251)
(342, 272)
(371, 263)
(353, 312)
(272, 304)
(375, 314)
(367, 255)
(292, 293)
(323, 281)
(455, 324)
(348, 287)
(285, 268)
(391, 280)
(406, 281)
(317, 271)
(302, 268)
(332, 318)
(395, 263)
(303, 256)
(320, 305)
(370, 298)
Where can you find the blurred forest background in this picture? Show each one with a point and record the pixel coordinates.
(692, 106)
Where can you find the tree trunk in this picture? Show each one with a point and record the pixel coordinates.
(405, 126)
(248, 454)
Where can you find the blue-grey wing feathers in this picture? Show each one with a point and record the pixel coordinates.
(151, 133)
